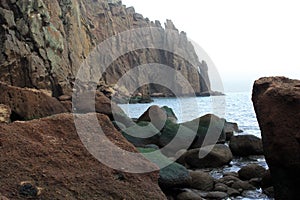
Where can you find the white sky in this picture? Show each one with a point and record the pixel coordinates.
(246, 39)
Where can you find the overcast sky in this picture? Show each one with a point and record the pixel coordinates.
(246, 39)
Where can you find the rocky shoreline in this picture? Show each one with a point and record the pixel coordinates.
(34, 127)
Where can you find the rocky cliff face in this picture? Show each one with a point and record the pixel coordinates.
(43, 43)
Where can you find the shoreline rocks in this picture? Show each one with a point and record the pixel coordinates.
(277, 105)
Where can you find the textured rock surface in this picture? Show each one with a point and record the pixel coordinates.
(277, 105)
(218, 156)
(201, 181)
(246, 145)
(49, 153)
(43, 43)
(5, 113)
(27, 104)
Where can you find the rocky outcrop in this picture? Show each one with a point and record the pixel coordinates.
(27, 104)
(47, 155)
(44, 42)
(277, 105)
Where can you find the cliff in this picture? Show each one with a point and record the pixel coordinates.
(43, 43)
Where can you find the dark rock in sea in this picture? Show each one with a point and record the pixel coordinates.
(242, 185)
(155, 115)
(50, 153)
(209, 129)
(277, 105)
(246, 145)
(251, 171)
(188, 195)
(27, 104)
(201, 181)
(269, 192)
(173, 175)
(215, 156)
(216, 195)
(220, 187)
(5, 113)
(228, 180)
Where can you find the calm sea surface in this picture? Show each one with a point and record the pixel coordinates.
(234, 107)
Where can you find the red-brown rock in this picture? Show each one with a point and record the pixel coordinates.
(49, 153)
(27, 104)
(277, 105)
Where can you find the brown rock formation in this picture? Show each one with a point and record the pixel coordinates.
(43, 43)
(49, 154)
(5, 113)
(27, 104)
(277, 105)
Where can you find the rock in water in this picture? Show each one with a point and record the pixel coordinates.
(277, 105)
(246, 145)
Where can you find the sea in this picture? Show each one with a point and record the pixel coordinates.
(234, 107)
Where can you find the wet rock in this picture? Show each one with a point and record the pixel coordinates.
(251, 171)
(246, 145)
(188, 195)
(220, 187)
(201, 181)
(277, 103)
(215, 156)
(5, 113)
(228, 180)
(242, 185)
(27, 104)
(269, 192)
(233, 192)
(216, 195)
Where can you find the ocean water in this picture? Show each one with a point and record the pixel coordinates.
(234, 107)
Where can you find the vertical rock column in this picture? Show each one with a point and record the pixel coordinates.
(277, 105)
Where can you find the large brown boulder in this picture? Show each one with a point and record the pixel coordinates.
(215, 156)
(277, 105)
(49, 154)
(27, 104)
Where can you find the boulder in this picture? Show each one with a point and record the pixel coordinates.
(155, 115)
(251, 171)
(170, 176)
(216, 195)
(277, 105)
(208, 126)
(5, 113)
(266, 180)
(246, 145)
(242, 185)
(215, 156)
(201, 181)
(141, 134)
(188, 195)
(228, 180)
(170, 113)
(49, 153)
(27, 104)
